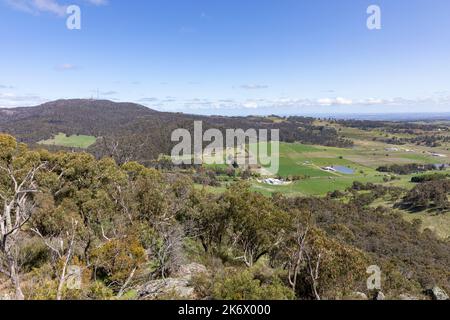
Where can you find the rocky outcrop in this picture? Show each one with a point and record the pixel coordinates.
(438, 294)
(189, 270)
(407, 297)
(177, 287)
(5, 297)
(359, 296)
(379, 296)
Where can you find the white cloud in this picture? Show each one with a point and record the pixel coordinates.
(254, 86)
(339, 101)
(298, 104)
(51, 6)
(46, 6)
(38, 6)
(11, 100)
(98, 2)
(250, 105)
(343, 101)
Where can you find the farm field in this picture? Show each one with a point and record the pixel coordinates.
(75, 141)
(308, 163)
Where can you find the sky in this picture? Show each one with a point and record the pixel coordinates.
(230, 57)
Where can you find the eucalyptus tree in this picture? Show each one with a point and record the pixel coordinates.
(18, 185)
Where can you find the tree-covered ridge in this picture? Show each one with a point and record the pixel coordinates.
(128, 131)
(127, 227)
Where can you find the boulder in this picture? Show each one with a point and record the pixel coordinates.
(189, 270)
(359, 296)
(179, 286)
(438, 294)
(379, 296)
(171, 286)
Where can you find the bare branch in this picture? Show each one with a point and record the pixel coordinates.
(125, 285)
(47, 243)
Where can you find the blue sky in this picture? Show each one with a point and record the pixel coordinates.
(230, 56)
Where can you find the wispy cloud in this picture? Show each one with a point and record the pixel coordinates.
(98, 2)
(254, 86)
(38, 6)
(10, 100)
(297, 104)
(334, 101)
(47, 6)
(151, 99)
(2, 86)
(66, 67)
(109, 93)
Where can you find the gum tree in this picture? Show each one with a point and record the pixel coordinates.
(18, 171)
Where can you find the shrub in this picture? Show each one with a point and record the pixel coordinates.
(235, 285)
(116, 259)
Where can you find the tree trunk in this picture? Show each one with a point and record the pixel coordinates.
(15, 278)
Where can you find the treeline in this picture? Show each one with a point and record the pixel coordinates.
(127, 225)
(430, 177)
(426, 134)
(393, 126)
(405, 169)
(431, 194)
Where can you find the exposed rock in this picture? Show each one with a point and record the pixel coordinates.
(171, 286)
(408, 297)
(438, 294)
(178, 287)
(379, 296)
(5, 297)
(359, 296)
(187, 271)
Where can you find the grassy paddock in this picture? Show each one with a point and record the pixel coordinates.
(62, 140)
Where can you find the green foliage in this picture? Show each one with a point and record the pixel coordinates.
(432, 194)
(242, 285)
(429, 177)
(33, 254)
(209, 221)
(340, 265)
(115, 260)
(257, 225)
(99, 291)
(7, 146)
(42, 285)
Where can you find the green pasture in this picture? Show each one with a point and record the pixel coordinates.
(75, 141)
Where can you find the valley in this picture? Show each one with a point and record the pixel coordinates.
(359, 192)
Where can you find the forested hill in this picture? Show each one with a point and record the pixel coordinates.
(135, 132)
(94, 117)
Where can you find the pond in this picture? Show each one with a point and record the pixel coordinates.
(441, 166)
(344, 170)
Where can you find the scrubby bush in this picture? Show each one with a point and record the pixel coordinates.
(116, 259)
(242, 285)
